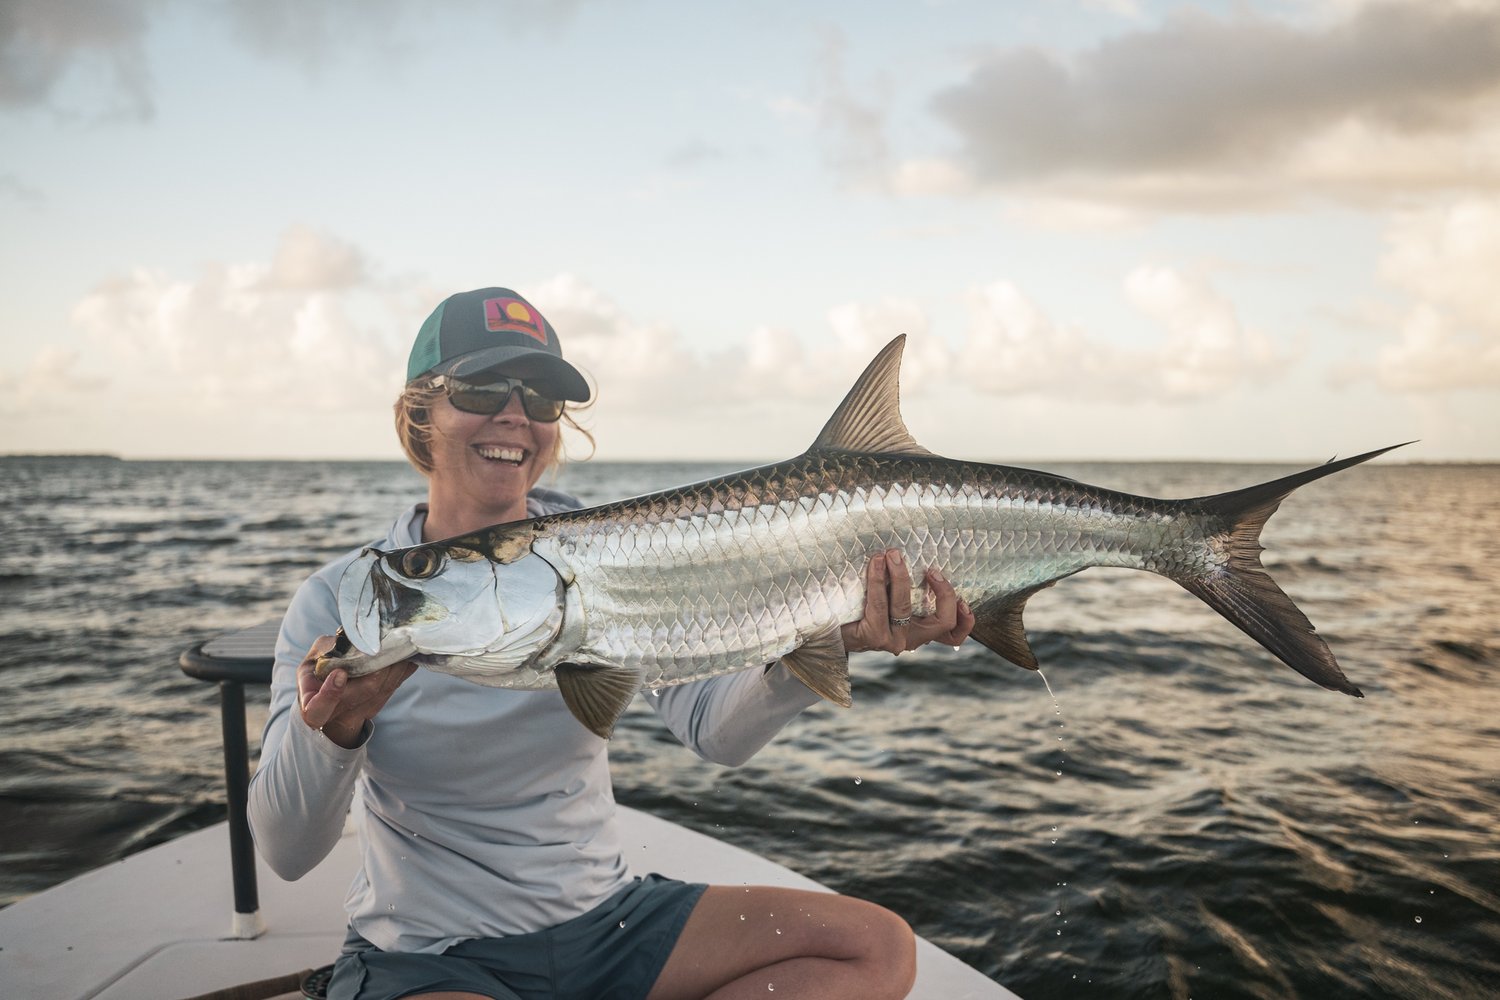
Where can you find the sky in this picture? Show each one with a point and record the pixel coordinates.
(1110, 229)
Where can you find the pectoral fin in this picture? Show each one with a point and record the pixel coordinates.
(597, 696)
(997, 624)
(823, 665)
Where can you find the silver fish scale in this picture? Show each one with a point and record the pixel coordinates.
(772, 558)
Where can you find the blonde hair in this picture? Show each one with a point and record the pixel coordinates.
(415, 431)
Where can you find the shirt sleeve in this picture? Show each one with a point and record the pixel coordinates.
(727, 719)
(305, 783)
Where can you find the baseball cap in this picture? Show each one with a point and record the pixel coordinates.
(494, 329)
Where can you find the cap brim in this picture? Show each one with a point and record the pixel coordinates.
(546, 373)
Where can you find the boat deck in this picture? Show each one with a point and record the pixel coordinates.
(156, 925)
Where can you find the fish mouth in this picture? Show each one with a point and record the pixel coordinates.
(503, 453)
(397, 647)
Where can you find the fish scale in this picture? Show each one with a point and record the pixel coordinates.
(767, 564)
(763, 576)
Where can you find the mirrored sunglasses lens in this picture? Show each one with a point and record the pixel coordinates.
(539, 407)
(478, 399)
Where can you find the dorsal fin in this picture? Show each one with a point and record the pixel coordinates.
(869, 418)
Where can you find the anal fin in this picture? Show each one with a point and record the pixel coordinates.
(822, 663)
(597, 696)
(998, 625)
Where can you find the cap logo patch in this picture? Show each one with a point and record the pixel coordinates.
(513, 314)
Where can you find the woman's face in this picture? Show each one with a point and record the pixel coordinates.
(483, 466)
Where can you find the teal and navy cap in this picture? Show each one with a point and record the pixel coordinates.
(494, 331)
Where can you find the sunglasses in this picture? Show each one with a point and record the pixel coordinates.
(492, 397)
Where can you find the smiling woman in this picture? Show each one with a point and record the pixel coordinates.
(490, 834)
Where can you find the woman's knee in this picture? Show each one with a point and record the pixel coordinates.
(888, 951)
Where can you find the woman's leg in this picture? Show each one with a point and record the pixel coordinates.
(751, 941)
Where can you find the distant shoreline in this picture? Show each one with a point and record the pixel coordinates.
(70, 455)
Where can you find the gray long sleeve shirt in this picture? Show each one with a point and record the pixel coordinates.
(486, 812)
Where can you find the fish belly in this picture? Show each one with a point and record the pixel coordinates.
(688, 597)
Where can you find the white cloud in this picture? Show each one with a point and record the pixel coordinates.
(311, 261)
(1015, 348)
(1449, 256)
(230, 361)
(52, 376)
(253, 336)
(634, 363)
(1446, 260)
(1208, 350)
(1432, 356)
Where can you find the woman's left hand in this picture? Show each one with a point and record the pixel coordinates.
(888, 623)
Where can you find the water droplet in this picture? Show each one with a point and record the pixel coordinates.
(1059, 913)
(391, 907)
(778, 930)
(1059, 933)
(1419, 920)
(622, 925)
(771, 987)
(742, 916)
(859, 781)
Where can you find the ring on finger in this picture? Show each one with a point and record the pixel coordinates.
(898, 622)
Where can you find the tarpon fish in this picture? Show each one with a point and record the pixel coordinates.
(736, 572)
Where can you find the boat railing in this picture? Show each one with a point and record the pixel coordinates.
(232, 661)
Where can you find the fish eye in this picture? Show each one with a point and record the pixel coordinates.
(419, 564)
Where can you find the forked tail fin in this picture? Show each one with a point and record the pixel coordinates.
(1243, 592)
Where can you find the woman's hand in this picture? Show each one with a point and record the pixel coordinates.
(338, 705)
(888, 623)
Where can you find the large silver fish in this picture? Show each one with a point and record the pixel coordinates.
(767, 564)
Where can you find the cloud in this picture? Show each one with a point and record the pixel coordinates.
(51, 376)
(852, 130)
(311, 261)
(1014, 347)
(1445, 259)
(253, 335)
(1214, 112)
(45, 45)
(312, 34)
(301, 354)
(98, 47)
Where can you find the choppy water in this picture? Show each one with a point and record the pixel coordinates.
(1189, 819)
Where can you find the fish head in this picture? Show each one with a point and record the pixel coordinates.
(439, 604)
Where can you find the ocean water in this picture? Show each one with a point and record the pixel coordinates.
(1187, 819)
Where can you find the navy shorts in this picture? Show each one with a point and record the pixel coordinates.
(591, 956)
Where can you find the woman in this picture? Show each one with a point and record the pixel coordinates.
(491, 858)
